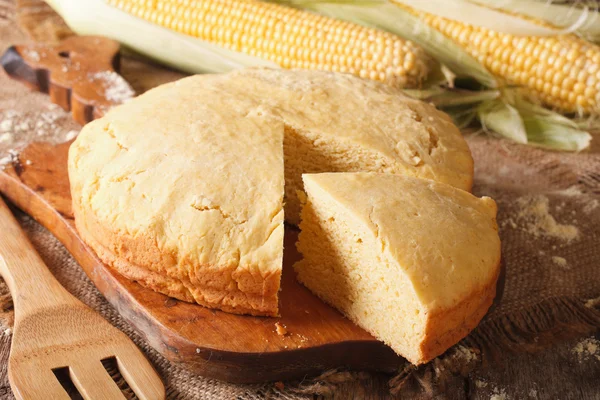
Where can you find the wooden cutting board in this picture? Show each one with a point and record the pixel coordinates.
(212, 343)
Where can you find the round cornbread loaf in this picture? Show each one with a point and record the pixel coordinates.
(182, 188)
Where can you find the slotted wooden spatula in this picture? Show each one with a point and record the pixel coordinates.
(54, 330)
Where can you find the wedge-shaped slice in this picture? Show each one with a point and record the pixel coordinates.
(413, 261)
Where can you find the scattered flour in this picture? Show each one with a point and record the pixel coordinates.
(534, 217)
(533, 393)
(17, 129)
(591, 206)
(6, 138)
(572, 191)
(504, 170)
(116, 89)
(587, 349)
(7, 332)
(560, 261)
(32, 55)
(6, 125)
(480, 384)
(582, 197)
(71, 135)
(465, 354)
(499, 394)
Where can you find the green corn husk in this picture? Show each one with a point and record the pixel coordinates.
(505, 112)
(500, 117)
(515, 118)
(192, 55)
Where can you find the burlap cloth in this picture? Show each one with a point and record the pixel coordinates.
(540, 340)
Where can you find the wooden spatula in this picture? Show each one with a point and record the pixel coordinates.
(54, 330)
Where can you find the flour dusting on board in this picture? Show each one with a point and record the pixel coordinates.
(499, 394)
(116, 89)
(17, 129)
(32, 55)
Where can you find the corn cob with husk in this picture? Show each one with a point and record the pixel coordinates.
(535, 63)
(267, 34)
(561, 71)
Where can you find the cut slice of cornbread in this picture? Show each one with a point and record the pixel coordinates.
(413, 261)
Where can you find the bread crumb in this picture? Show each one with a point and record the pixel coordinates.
(279, 385)
(480, 384)
(534, 217)
(560, 261)
(280, 329)
(587, 349)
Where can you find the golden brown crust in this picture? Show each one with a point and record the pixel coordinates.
(174, 283)
(446, 327)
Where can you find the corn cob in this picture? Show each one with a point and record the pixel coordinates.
(561, 71)
(289, 37)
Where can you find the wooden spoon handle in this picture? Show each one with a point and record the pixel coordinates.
(31, 284)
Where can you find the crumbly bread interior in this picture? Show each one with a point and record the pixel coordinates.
(344, 266)
(308, 152)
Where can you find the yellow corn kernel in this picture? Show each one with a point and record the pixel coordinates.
(545, 66)
(290, 37)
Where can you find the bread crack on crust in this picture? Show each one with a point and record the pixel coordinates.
(206, 205)
(182, 189)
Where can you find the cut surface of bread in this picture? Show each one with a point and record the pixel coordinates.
(413, 261)
(182, 188)
(340, 123)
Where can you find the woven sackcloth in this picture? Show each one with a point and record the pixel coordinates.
(540, 339)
